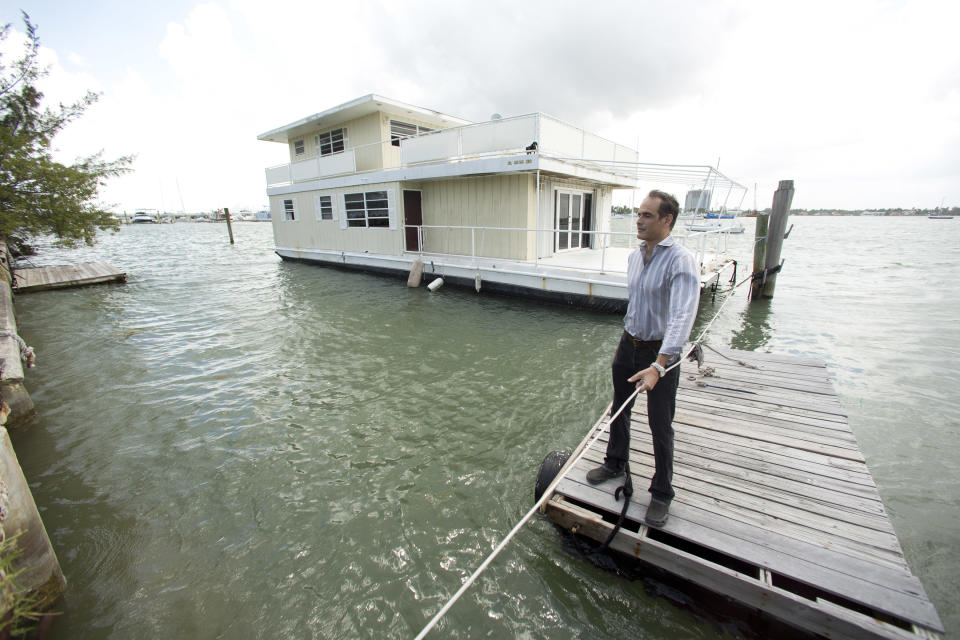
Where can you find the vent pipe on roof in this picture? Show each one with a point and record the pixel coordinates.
(496, 116)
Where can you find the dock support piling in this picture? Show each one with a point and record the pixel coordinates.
(416, 274)
(226, 212)
(20, 523)
(767, 251)
(36, 561)
(759, 252)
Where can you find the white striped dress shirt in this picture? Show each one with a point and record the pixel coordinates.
(664, 294)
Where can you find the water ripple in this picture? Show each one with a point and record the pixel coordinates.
(232, 446)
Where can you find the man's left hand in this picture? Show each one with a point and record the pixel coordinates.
(646, 379)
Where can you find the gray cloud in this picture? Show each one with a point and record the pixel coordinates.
(560, 57)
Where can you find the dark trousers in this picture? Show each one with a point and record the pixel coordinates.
(661, 406)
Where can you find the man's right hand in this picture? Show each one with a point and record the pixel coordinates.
(646, 379)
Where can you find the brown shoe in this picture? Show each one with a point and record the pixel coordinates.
(657, 513)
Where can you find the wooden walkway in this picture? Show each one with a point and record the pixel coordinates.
(775, 506)
(71, 275)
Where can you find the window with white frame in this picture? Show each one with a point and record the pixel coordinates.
(289, 210)
(298, 148)
(400, 130)
(369, 209)
(325, 212)
(332, 141)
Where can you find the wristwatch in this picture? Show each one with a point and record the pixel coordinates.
(659, 368)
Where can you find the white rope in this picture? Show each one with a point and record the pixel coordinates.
(26, 353)
(547, 494)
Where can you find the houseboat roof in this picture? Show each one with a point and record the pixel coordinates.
(358, 108)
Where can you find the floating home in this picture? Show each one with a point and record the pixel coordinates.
(515, 205)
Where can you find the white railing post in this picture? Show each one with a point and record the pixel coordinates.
(420, 237)
(603, 253)
(473, 244)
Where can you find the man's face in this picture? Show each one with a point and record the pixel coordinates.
(650, 226)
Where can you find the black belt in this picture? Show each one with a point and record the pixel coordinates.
(647, 344)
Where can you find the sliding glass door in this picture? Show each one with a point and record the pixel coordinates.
(572, 217)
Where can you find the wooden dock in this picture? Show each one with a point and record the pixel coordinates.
(775, 507)
(61, 276)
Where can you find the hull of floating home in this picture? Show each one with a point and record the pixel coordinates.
(593, 291)
(375, 185)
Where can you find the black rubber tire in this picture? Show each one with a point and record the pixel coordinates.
(549, 469)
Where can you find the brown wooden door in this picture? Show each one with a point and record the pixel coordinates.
(412, 219)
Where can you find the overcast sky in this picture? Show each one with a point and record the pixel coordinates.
(857, 101)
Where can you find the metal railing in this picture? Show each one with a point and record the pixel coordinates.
(471, 242)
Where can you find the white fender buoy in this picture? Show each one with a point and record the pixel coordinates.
(436, 284)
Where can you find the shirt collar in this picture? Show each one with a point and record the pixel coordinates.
(666, 242)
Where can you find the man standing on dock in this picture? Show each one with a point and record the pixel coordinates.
(664, 288)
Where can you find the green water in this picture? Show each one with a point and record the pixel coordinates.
(229, 446)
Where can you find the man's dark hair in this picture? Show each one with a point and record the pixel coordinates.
(668, 205)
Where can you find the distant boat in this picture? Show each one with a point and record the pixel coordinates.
(726, 226)
(725, 221)
(941, 217)
(145, 217)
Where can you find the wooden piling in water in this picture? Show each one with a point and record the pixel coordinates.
(770, 234)
(782, 200)
(759, 252)
(226, 212)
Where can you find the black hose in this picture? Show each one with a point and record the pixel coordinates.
(627, 490)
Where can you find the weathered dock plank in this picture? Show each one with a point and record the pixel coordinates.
(775, 506)
(770, 509)
(61, 276)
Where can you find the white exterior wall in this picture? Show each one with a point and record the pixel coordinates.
(391, 154)
(505, 201)
(307, 232)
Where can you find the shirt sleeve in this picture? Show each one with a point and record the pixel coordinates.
(684, 298)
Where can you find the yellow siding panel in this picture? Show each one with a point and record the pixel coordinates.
(360, 132)
(306, 232)
(495, 201)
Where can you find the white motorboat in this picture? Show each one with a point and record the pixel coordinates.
(726, 225)
(145, 217)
